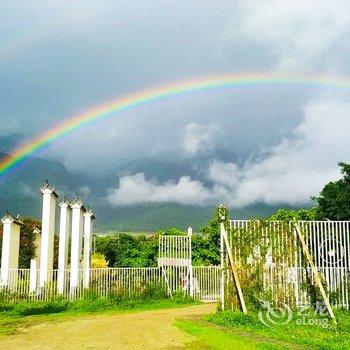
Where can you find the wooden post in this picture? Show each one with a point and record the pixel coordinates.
(315, 272)
(222, 263)
(234, 271)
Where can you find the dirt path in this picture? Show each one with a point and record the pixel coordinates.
(144, 330)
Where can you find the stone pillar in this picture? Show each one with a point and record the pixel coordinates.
(10, 250)
(47, 234)
(65, 225)
(76, 243)
(88, 224)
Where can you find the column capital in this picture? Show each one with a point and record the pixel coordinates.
(9, 219)
(48, 189)
(78, 204)
(89, 214)
(64, 204)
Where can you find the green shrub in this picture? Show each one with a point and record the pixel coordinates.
(92, 302)
(36, 308)
(5, 307)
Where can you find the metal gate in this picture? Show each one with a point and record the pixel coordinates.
(175, 263)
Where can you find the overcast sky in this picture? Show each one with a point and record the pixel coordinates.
(281, 144)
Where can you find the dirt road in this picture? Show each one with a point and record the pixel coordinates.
(144, 330)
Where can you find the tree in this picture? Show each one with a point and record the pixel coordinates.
(27, 241)
(206, 248)
(126, 250)
(298, 214)
(334, 200)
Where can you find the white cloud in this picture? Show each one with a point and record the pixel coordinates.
(296, 168)
(85, 190)
(59, 19)
(198, 138)
(300, 33)
(136, 189)
(289, 173)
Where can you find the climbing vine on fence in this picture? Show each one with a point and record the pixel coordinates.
(268, 256)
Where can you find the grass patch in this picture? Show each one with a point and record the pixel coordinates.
(312, 335)
(218, 339)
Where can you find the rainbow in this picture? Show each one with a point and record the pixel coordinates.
(20, 155)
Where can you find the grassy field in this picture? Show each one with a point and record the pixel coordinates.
(216, 338)
(308, 336)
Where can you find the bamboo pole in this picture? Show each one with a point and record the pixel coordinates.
(315, 272)
(233, 268)
(222, 265)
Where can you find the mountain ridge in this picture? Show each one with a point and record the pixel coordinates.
(20, 194)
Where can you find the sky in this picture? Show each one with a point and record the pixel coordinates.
(254, 145)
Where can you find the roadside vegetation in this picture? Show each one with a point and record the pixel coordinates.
(215, 338)
(314, 335)
(25, 313)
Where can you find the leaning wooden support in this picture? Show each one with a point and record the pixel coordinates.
(167, 282)
(315, 272)
(233, 268)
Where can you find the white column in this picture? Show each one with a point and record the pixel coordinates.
(47, 234)
(33, 276)
(65, 225)
(88, 224)
(76, 242)
(10, 249)
(190, 233)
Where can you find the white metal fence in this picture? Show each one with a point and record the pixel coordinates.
(118, 281)
(174, 273)
(286, 273)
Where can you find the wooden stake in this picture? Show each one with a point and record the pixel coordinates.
(315, 272)
(234, 271)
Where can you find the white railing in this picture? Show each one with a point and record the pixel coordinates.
(118, 281)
